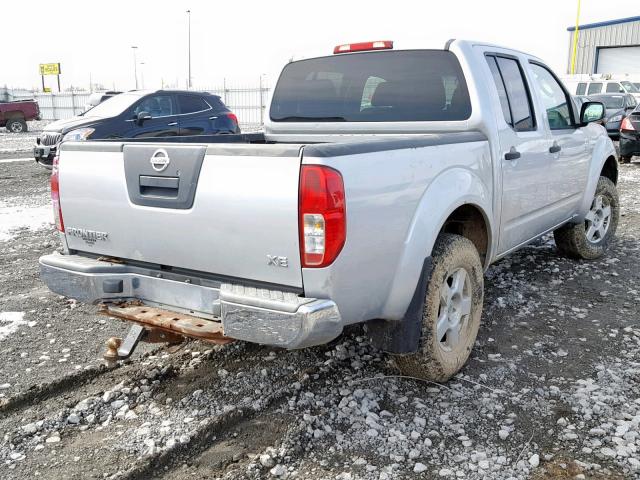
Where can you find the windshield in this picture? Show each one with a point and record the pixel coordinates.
(630, 87)
(391, 86)
(610, 101)
(113, 106)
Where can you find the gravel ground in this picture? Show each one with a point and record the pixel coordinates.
(552, 390)
(17, 144)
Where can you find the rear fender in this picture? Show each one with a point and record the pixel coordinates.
(451, 189)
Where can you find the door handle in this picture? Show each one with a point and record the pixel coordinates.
(512, 154)
(172, 124)
(555, 148)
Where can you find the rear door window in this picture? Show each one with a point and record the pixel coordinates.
(522, 118)
(191, 104)
(384, 86)
(595, 87)
(502, 92)
(582, 88)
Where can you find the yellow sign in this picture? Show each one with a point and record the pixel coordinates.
(49, 69)
(47, 90)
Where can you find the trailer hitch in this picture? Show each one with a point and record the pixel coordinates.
(155, 325)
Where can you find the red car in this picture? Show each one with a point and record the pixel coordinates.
(14, 115)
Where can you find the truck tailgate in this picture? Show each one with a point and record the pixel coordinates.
(221, 209)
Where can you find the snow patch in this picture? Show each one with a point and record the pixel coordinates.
(23, 216)
(10, 322)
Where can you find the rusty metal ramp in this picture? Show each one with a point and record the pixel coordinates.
(154, 318)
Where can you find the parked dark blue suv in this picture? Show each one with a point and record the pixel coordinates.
(139, 114)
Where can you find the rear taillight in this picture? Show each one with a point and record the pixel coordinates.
(55, 195)
(323, 221)
(626, 124)
(232, 116)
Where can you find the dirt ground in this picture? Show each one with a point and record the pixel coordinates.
(552, 389)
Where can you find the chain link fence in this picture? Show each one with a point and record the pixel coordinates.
(249, 103)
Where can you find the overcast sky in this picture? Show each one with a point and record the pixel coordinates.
(239, 41)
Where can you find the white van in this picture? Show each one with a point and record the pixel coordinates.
(596, 87)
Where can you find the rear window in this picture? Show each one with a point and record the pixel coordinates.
(582, 89)
(390, 86)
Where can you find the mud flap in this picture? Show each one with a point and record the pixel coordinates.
(403, 336)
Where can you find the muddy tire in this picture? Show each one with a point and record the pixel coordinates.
(452, 310)
(589, 240)
(16, 125)
(625, 158)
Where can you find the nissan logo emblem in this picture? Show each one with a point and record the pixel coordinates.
(160, 160)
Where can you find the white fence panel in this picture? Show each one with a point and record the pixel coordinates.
(248, 103)
(56, 106)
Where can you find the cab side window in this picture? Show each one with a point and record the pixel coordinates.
(512, 91)
(553, 96)
(156, 106)
(594, 87)
(614, 87)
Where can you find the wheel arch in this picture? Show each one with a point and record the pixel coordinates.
(455, 202)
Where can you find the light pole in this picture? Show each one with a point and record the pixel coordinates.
(142, 74)
(135, 64)
(189, 78)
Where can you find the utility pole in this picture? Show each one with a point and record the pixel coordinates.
(189, 78)
(135, 64)
(575, 42)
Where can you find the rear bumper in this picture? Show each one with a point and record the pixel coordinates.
(629, 143)
(270, 317)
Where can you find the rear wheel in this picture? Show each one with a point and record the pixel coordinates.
(590, 239)
(452, 310)
(16, 125)
(625, 158)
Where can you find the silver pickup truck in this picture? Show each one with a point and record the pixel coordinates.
(384, 184)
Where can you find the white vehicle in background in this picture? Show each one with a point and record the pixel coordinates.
(98, 97)
(596, 86)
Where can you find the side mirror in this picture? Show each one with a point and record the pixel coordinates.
(591, 112)
(142, 116)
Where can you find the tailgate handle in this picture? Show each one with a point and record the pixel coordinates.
(159, 186)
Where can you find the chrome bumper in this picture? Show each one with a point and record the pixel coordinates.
(270, 317)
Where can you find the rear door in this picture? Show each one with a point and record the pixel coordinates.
(224, 210)
(164, 117)
(523, 158)
(196, 115)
